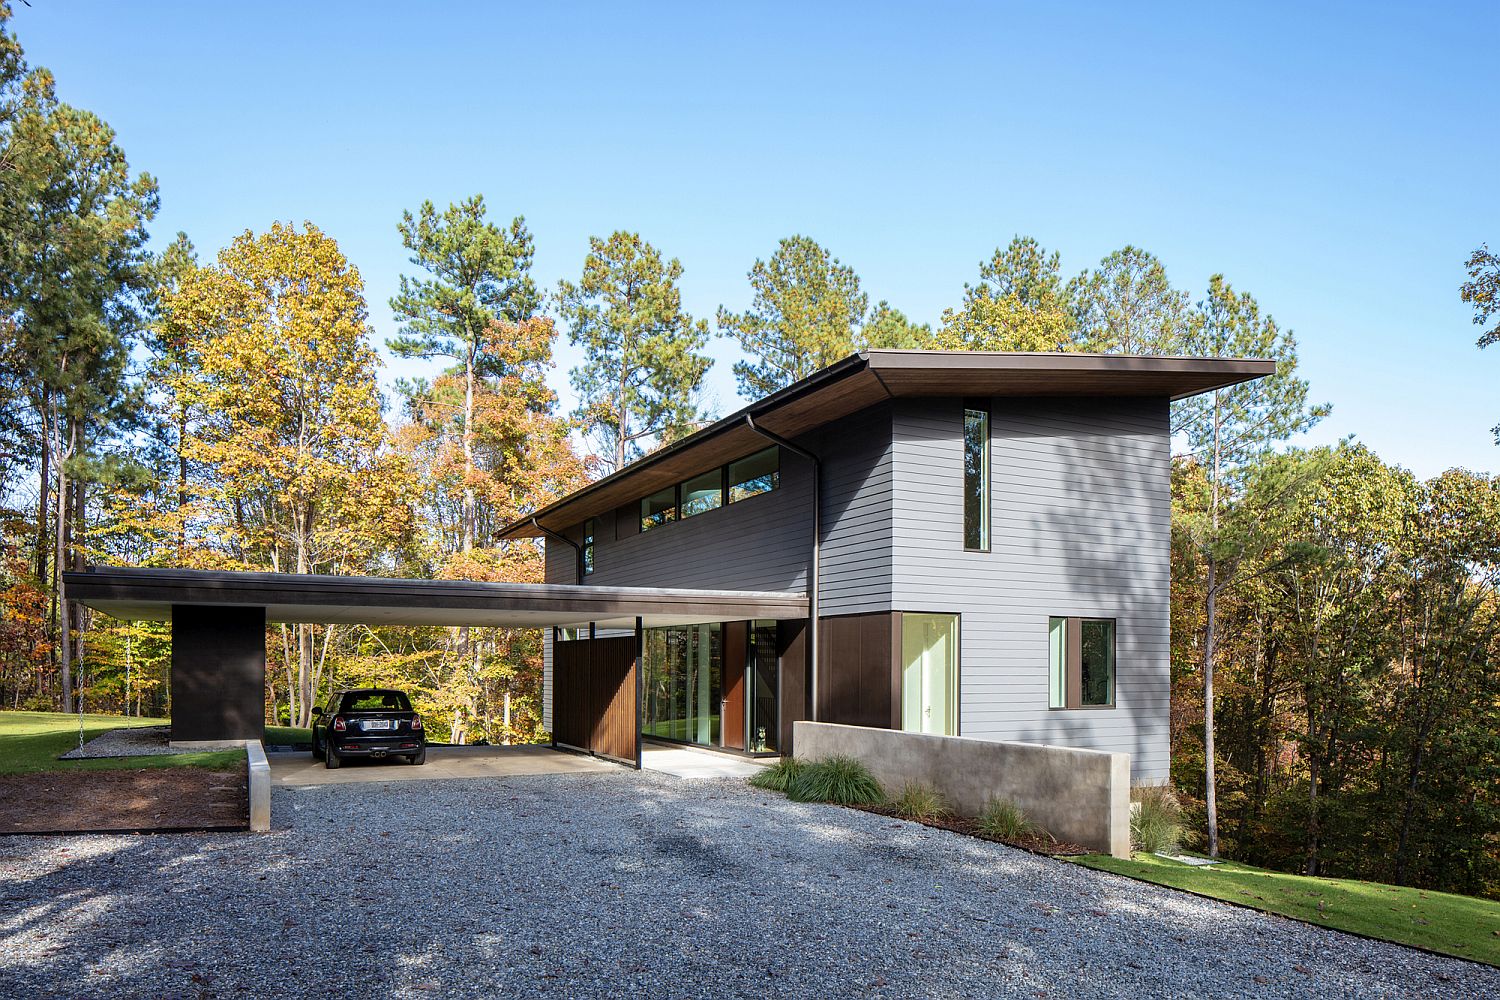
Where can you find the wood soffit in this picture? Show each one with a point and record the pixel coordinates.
(865, 380)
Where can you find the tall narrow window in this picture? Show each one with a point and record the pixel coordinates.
(1082, 662)
(976, 477)
(587, 552)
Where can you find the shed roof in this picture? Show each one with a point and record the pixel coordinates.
(870, 377)
(149, 594)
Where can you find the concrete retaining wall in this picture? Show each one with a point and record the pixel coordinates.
(1081, 796)
(260, 786)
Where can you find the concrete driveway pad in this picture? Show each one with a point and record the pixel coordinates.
(300, 767)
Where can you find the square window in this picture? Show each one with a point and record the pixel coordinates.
(760, 473)
(703, 493)
(659, 508)
(1081, 662)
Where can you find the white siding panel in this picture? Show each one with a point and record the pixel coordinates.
(1080, 525)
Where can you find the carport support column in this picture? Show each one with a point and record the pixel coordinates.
(640, 688)
(218, 673)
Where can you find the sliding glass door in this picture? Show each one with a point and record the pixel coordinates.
(712, 685)
(683, 683)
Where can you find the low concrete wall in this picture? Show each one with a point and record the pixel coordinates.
(260, 787)
(1081, 796)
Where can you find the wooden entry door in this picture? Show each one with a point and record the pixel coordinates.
(594, 696)
(732, 710)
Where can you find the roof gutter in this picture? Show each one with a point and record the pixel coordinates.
(814, 574)
(577, 549)
(848, 366)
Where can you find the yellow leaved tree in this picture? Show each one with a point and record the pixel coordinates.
(287, 430)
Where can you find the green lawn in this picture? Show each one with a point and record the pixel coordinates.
(32, 741)
(1454, 925)
(287, 735)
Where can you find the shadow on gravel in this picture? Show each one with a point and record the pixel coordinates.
(631, 884)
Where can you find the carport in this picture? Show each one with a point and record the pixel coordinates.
(219, 620)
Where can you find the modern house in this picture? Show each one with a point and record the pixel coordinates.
(982, 539)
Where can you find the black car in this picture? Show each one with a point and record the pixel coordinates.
(372, 722)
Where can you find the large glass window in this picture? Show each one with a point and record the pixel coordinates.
(683, 683)
(976, 478)
(929, 674)
(703, 493)
(1082, 662)
(659, 508)
(752, 476)
(764, 721)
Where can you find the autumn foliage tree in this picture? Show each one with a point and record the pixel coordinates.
(288, 426)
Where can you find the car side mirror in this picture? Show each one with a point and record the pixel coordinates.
(317, 710)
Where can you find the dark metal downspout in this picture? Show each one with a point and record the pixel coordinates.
(814, 571)
(640, 688)
(577, 549)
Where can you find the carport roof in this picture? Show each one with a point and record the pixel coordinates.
(149, 594)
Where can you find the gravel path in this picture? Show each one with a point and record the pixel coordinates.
(142, 741)
(635, 885)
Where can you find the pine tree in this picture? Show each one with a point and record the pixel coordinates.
(480, 276)
(1018, 304)
(643, 355)
(807, 307)
(1127, 306)
(1225, 430)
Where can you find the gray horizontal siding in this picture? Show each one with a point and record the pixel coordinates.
(1080, 525)
(857, 512)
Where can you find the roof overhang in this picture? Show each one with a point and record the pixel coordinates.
(866, 379)
(150, 594)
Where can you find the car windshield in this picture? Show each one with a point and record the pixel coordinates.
(376, 701)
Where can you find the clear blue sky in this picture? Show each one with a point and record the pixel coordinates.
(1335, 161)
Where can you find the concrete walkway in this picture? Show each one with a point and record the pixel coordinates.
(686, 762)
(300, 768)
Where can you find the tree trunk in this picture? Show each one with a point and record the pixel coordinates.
(1210, 781)
(59, 563)
(304, 635)
(44, 483)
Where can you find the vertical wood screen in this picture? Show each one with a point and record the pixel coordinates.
(593, 696)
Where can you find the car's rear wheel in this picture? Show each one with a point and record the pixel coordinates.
(330, 757)
(420, 757)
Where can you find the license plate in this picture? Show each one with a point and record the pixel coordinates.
(370, 724)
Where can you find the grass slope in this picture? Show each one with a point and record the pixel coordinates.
(1438, 921)
(32, 741)
(287, 735)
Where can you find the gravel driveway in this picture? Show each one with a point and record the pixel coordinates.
(635, 885)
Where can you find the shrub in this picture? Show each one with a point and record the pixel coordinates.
(1002, 819)
(840, 780)
(920, 802)
(1155, 820)
(778, 776)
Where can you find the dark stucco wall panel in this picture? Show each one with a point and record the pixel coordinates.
(218, 673)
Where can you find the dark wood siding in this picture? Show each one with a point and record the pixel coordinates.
(791, 656)
(732, 718)
(594, 705)
(859, 679)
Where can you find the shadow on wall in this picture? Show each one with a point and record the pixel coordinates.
(1110, 526)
